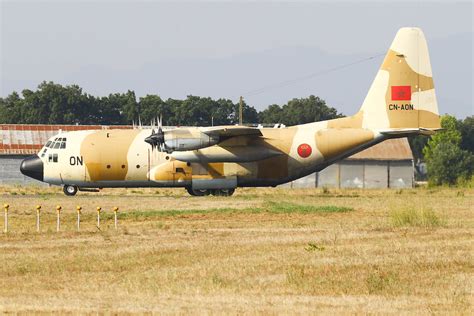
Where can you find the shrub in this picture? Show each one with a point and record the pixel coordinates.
(415, 218)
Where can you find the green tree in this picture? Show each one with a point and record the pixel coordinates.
(11, 109)
(107, 111)
(222, 112)
(174, 105)
(50, 104)
(271, 115)
(449, 163)
(53, 103)
(466, 127)
(194, 111)
(449, 134)
(417, 143)
(446, 161)
(249, 114)
(129, 106)
(299, 111)
(152, 107)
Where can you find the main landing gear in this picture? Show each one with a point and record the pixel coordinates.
(216, 192)
(70, 190)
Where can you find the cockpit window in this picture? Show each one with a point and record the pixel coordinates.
(57, 143)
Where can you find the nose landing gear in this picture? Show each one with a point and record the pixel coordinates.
(70, 190)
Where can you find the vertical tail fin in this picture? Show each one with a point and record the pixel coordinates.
(402, 95)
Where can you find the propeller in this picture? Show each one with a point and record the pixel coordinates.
(157, 139)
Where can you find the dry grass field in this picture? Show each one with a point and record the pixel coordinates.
(270, 251)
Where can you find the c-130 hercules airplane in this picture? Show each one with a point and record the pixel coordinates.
(217, 160)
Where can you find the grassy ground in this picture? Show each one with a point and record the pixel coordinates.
(260, 251)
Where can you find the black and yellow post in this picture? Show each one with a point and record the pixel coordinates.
(78, 209)
(98, 216)
(58, 219)
(115, 216)
(6, 207)
(38, 211)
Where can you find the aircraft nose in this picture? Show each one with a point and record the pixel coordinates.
(32, 167)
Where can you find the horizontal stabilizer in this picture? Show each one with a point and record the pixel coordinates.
(410, 131)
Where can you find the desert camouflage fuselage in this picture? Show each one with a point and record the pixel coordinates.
(117, 158)
(400, 102)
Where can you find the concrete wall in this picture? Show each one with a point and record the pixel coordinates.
(10, 171)
(401, 175)
(369, 174)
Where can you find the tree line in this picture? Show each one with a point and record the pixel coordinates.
(53, 103)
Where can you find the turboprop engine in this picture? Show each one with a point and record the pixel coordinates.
(181, 139)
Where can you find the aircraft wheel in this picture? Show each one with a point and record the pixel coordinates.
(195, 192)
(223, 192)
(70, 190)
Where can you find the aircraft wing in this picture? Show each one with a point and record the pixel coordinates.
(231, 131)
(192, 138)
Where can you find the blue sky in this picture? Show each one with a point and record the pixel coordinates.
(225, 49)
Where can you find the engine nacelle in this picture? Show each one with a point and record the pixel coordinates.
(188, 139)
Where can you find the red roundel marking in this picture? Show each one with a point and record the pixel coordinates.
(304, 150)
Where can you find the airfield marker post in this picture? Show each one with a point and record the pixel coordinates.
(6, 207)
(78, 209)
(38, 210)
(115, 216)
(58, 220)
(98, 216)
(241, 110)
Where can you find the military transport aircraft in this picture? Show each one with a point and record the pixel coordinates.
(217, 160)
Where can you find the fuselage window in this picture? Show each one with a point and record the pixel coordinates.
(55, 157)
(50, 158)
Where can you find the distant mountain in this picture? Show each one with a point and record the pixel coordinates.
(233, 76)
(344, 89)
